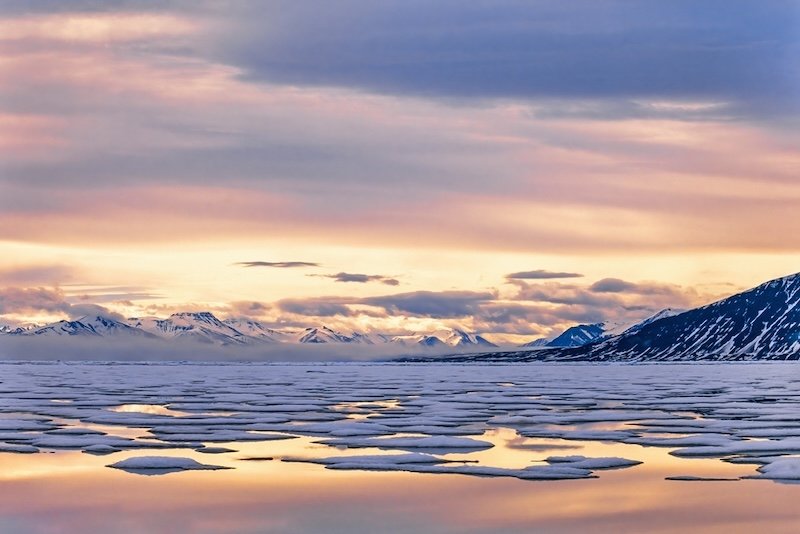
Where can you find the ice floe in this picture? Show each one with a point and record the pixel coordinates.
(742, 414)
(158, 465)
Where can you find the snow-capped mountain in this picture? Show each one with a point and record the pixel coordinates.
(579, 335)
(666, 312)
(323, 334)
(460, 338)
(762, 323)
(199, 326)
(205, 327)
(452, 337)
(95, 325)
(256, 330)
(583, 334)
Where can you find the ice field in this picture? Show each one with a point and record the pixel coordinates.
(563, 445)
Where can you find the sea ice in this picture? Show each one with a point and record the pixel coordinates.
(161, 465)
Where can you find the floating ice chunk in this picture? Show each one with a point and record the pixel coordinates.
(160, 465)
(371, 460)
(692, 478)
(22, 425)
(711, 440)
(17, 447)
(219, 436)
(756, 460)
(81, 441)
(426, 463)
(581, 435)
(100, 449)
(341, 429)
(582, 462)
(426, 442)
(215, 450)
(538, 472)
(783, 469)
(435, 430)
(74, 431)
(788, 446)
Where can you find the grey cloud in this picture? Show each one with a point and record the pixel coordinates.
(25, 300)
(434, 304)
(441, 304)
(612, 285)
(541, 274)
(319, 307)
(610, 299)
(615, 285)
(35, 300)
(560, 293)
(76, 311)
(722, 50)
(277, 264)
(361, 278)
(249, 308)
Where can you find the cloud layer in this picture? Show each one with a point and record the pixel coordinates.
(159, 143)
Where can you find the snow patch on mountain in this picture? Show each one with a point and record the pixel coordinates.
(205, 327)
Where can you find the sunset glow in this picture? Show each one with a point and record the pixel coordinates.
(146, 154)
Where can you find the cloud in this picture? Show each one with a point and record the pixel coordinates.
(720, 50)
(76, 311)
(609, 299)
(349, 167)
(37, 274)
(429, 304)
(249, 308)
(316, 307)
(613, 285)
(32, 300)
(541, 274)
(360, 278)
(18, 300)
(277, 264)
(438, 304)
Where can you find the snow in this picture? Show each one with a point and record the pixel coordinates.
(743, 413)
(582, 462)
(162, 465)
(205, 327)
(692, 478)
(19, 448)
(781, 469)
(100, 449)
(431, 442)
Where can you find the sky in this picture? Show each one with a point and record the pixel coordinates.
(507, 167)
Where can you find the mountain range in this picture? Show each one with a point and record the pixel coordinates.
(205, 327)
(583, 334)
(762, 323)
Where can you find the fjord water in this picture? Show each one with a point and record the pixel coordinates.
(526, 412)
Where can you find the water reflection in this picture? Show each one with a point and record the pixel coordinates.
(74, 492)
(286, 497)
